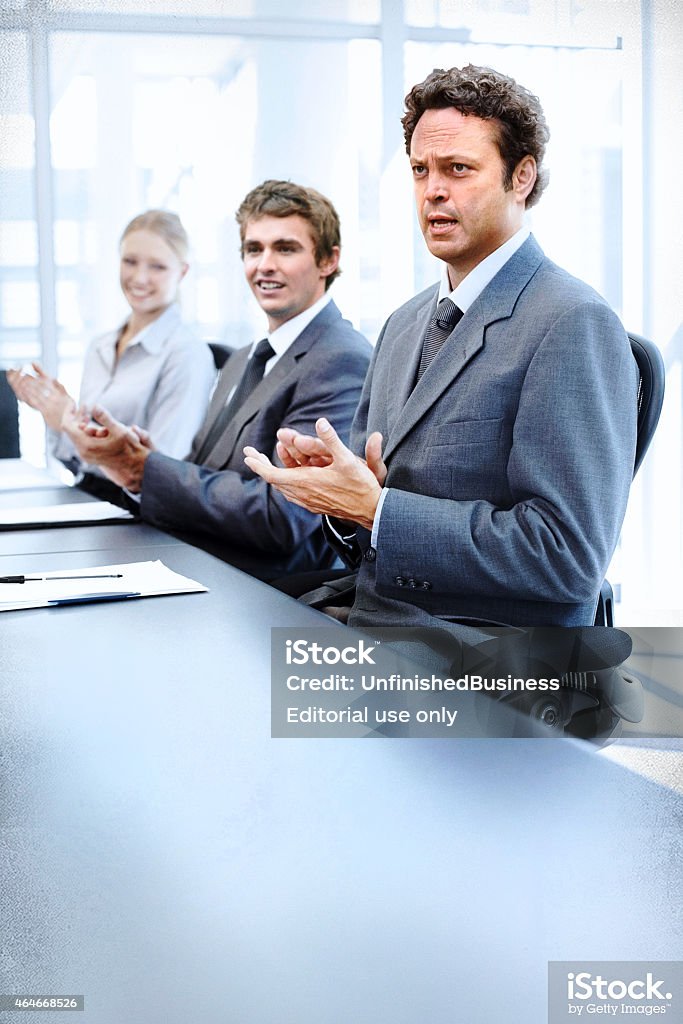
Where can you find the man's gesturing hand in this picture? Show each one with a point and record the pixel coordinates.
(323, 475)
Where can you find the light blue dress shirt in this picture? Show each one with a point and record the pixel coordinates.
(161, 383)
(469, 289)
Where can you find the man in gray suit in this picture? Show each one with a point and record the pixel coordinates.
(498, 419)
(311, 364)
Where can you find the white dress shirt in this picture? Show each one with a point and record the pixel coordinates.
(471, 287)
(285, 335)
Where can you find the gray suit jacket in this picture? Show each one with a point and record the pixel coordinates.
(224, 507)
(509, 464)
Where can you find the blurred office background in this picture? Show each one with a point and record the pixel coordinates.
(109, 108)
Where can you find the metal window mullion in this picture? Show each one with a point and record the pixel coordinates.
(270, 28)
(463, 36)
(44, 195)
(392, 42)
(648, 69)
(143, 24)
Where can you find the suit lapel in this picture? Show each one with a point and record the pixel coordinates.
(227, 380)
(222, 451)
(405, 357)
(496, 302)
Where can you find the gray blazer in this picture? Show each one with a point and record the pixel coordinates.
(509, 464)
(221, 505)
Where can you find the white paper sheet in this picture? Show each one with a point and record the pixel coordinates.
(133, 579)
(74, 513)
(19, 475)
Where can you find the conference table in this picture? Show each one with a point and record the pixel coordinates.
(165, 858)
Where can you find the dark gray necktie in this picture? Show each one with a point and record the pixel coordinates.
(253, 374)
(446, 317)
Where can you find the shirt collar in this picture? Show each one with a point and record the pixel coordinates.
(287, 333)
(471, 287)
(153, 336)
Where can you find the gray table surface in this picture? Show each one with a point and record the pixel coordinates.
(55, 494)
(163, 856)
(14, 543)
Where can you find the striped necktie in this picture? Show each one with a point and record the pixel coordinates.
(446, 317)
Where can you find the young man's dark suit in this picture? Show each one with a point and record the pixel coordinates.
(235, 514)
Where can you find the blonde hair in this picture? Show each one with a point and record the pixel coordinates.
(164, 224)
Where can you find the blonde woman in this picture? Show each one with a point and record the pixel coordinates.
(151, 371)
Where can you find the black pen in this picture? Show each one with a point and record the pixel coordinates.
(48, 579)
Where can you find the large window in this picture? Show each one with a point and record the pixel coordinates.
(578, 220)
(20, 314)
(19, 293)
(108, 108)
(192, 125)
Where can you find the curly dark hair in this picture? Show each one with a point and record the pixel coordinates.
(284, 199)
(485, 93)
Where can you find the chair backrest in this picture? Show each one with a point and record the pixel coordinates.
(650, 392)
(9, 420)
(221, 353)
(651, 376)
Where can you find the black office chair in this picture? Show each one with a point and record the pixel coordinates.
(221, 353)
(9, 420)
(650, 396)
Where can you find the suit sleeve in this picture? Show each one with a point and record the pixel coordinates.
(569, 472)
(237, 506)
(339, 534)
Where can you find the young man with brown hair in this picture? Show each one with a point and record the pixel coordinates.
(312, 363)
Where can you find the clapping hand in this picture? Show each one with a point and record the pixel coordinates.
(323, 475)
(119, 450)
(43, 393)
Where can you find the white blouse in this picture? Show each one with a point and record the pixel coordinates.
(161, 383)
